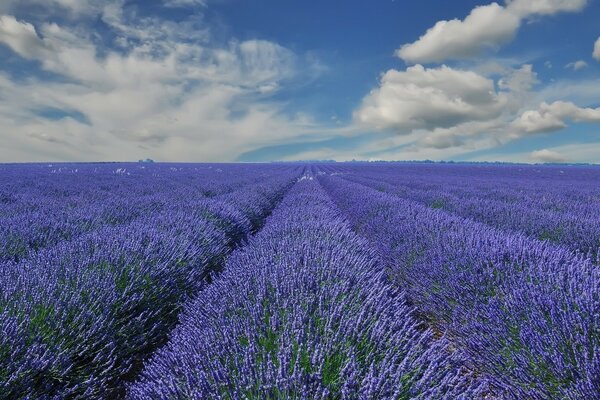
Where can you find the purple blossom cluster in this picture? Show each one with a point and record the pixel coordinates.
(79, 314)
(305, 311)
(39, 208)
(527, 312)
(554, 203)
(295, 281)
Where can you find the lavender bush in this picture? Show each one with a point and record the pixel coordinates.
(81, 316)
(277, 281)
(557, 204)
(304, 312)
(525, 311)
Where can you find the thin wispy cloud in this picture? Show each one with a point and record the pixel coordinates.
(164, 90)
(577, 65)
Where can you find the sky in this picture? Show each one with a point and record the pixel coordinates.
(268, 80)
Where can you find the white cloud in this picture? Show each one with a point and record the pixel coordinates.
(449, 111)
(544, 7)
(545, 155)
(161, 95)
(596, 53)
(446, 110)
(427, 98)
(552, 117)
(535, 121)
(211, 123)
(440, 117)
(520, 80)
(568, 110)
(486, 27)
(22, 38)
(577, 65)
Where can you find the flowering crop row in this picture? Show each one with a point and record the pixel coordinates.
(347, 281)
(78, 318)
(525, 311)
(551, 204)
(39, 209)
(304, 311)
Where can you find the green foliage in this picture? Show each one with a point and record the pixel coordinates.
(438, 204)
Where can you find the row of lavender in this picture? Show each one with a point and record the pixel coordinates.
(79, 316)
(304, 311)
(558, 204)
(526, 312)
(41, 205)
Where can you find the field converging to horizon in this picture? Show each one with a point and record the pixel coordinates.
(299, 281)
(299, 200)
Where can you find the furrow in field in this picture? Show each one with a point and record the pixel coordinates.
(79, 319)
(526, 312)
(304, 311)
(74, 206)
(560, 220)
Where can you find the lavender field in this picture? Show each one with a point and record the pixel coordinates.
(299, 281)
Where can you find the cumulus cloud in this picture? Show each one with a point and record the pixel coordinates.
(167, 92)
(426, 98)
(486, 27)
(545, 155)
(568, 110)
(596, 53)
(447, 110)
(577, 65)
(536, 121)
(552, 117)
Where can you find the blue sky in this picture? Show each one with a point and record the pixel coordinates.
(233, 80)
